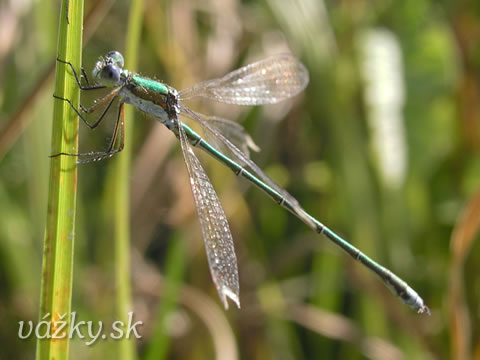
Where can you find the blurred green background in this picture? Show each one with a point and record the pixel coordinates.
(383, 147)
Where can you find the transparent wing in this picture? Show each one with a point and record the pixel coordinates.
(243, 160)
(266, 81)
(232, 131)
(235, 132)
(215, 230)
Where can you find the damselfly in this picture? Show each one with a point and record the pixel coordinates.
(268, 81)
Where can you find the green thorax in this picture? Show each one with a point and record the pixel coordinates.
(150, 85)
(149, 90)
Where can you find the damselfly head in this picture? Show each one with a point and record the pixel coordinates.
(108, 69)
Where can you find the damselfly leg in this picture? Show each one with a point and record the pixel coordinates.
(107, 99)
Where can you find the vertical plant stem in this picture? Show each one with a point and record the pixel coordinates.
(121, 189)
(174, 272)
(57, 270)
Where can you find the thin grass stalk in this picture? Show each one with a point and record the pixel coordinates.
(174, 272)
(121, 189)
(57, 270)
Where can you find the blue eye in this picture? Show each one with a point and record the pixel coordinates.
(110, 73)
(115, 58)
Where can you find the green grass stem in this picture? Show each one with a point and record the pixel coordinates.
(57, 270)
(174, 272)
(120, 181)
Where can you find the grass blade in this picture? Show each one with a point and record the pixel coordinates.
(174, 272)
(120, 185)
(57, 271)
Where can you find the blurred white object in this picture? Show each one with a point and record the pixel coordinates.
(382, 70)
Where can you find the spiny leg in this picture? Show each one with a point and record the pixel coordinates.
(107, 99)
(110, 97)
(119, 124)
(100, 155)
(85, 76)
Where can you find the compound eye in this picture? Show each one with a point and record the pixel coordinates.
(111, 74)
(115, 58)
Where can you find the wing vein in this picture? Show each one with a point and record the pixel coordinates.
(214, 225)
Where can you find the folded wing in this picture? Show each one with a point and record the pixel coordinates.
(215, 230)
